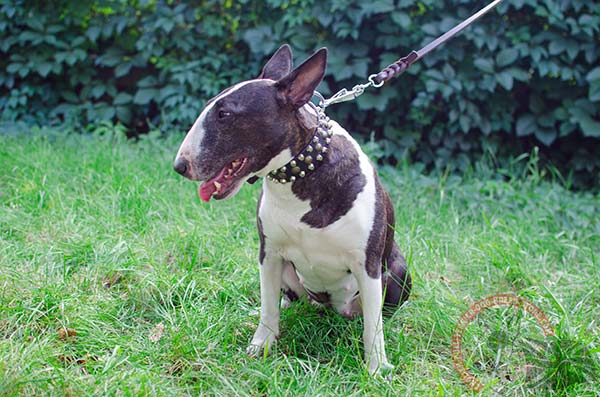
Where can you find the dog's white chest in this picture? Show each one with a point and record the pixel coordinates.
(323, 257)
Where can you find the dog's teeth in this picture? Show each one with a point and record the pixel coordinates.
(217, 185)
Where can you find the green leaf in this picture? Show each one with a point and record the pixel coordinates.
(112, 57)
(593, 74)
(124, 114)
(122, 69)
(401, 19)
(377, 6)
(44, 68)
(371, 101)
(573, 49)
(594, 93)
(122, 98)
(506, 56)
(557, 46)
(546, 120)
(590, 127)
(70, 58)
(546, 135)
(431, 29)
(148, 81)
(526, 125)
(449, 71)
(69, 96)
(13, 67)
(93, 32)
(505, 79)
(98, 91)
(465, 123)
(581, 109)
(435, 74)
(518, 74)
(105, 112)
(145, 95)
(566, 128)
(484, 64)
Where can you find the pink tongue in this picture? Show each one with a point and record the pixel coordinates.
(206, 191)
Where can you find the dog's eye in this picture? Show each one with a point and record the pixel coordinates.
(223, 114)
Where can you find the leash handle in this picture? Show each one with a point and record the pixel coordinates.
(396, 68)
(402, 64)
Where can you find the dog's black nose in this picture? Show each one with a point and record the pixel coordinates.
(180, 165)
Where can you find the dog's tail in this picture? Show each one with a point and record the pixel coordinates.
(396, 280)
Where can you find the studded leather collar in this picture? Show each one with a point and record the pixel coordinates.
(310, 157)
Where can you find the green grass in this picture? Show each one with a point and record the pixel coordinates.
(100, 236)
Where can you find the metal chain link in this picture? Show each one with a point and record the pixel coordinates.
(344, 95)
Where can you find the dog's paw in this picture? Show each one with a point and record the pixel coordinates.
(254, 350)
(285, 302)
(262, 343)
(383, 368)
(258, 350)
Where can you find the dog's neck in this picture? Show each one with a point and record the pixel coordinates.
(306, 123)
(309, 149)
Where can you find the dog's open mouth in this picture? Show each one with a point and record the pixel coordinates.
(222, 185)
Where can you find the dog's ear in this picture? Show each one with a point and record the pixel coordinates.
(279, 65)
(298, 86)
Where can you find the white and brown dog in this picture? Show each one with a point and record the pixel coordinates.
(325, 222)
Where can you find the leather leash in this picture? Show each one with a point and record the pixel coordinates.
(396, 68)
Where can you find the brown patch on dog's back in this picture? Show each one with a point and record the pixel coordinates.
(333, 187)
(378, 245)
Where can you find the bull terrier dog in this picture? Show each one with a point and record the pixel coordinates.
(325, 223)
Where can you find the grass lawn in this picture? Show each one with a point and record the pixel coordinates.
(116, 280)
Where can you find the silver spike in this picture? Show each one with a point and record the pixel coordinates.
(302, 174)
(319, 157)
(311, 166)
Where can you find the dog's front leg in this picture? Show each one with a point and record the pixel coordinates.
(270, 285)
(372, 302)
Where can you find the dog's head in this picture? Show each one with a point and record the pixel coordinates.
(250, 128)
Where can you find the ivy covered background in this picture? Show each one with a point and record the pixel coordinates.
(525, 75)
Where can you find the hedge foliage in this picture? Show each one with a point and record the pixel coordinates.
(525, 75)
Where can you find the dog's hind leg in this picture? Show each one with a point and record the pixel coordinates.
(291, 286)
(396, 280)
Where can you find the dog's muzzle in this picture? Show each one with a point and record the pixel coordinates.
(181, 166)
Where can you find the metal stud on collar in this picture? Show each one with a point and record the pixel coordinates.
(310, 157)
